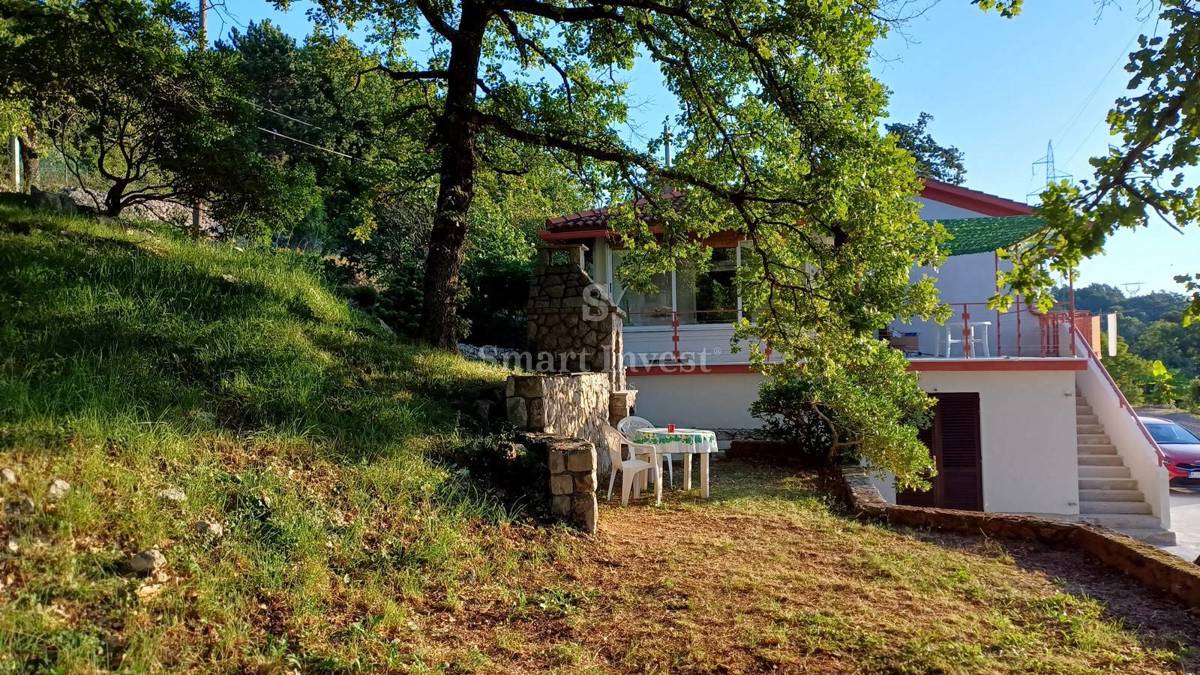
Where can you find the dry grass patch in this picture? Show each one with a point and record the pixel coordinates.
(767, 576)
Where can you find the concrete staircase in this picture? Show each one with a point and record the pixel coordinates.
(1108, 494)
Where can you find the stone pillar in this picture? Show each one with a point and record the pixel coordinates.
(572, 464)
(620, 404)
(573, 483)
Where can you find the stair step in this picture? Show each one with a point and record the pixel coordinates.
(1134, 495)
(1087, 419)
(1089, 429)
(1100, 460)
(1089, 472)
(1155, 536)
(1131, 508)
(1117, 521)
(1092, 439)
(1106, 484)
(1144, 528)
(1097, 449)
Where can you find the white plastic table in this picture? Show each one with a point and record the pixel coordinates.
(686, 442)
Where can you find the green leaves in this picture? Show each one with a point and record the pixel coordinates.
(1006, 8)
(1149, 178)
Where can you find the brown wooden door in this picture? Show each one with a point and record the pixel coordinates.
(953, 440)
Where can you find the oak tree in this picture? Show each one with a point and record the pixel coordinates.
(779, 141)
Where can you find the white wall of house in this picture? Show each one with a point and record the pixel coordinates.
(706, 401)
(967, 283)
(1027, 432)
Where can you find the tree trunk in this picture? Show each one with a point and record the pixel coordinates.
(112, 200)
(456, 131)
(31, 162)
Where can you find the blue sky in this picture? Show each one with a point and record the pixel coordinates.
(998, 89)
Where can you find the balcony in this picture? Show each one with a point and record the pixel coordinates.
(976, 332)
(975, 337)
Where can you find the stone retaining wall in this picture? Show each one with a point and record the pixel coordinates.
(1154, 568)
(572, 477)
(782, 453)
(578, 405)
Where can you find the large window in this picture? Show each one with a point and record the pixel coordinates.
(707, 297)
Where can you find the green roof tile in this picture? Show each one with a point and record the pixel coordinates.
(984, 235)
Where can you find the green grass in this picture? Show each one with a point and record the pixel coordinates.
(132, 361)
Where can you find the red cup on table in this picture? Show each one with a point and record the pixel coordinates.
(670, 428)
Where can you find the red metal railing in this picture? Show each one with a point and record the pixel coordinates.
(1019, 332)
(675, 319)
(1125, 405)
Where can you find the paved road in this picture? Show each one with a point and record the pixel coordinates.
(1185, 495)
(1185, 519)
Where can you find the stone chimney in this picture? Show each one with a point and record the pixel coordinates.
(573, 323)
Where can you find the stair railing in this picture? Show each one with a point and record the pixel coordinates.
(1076, 334)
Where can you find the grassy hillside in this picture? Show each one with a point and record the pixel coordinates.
(170, 382)
(134, 363)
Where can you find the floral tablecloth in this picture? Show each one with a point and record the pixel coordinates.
(680, 440)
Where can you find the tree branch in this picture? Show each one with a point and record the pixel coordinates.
(436, 21)
(403, 75)
(524, 43)
(562, 14)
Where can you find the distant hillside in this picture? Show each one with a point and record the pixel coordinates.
(1150, 324)
(226, 408)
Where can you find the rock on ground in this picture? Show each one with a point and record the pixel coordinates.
(173, 495)
(58, 488)
(148, 561)
(209, 529)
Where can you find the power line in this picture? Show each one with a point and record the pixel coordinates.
(311, 145)
(1122, 55)
(286, 117)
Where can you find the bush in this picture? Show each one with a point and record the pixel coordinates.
(788, 413)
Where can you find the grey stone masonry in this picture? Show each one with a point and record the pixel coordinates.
(572, 318)
(578, 405)
(572, 477)
(620, 404)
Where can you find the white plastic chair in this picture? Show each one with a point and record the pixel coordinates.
(952, 334)
(630, 471)
(628, 427)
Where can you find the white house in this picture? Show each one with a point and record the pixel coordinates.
(1027, 419)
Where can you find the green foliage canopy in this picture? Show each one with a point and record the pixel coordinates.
(1148, 175)
(943, 162)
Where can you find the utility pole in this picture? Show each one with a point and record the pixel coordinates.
(1052, 174)
(203, 44)
(667, 142)
(15, 145)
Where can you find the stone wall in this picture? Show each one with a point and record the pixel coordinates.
(1152, 567)
(572, 477)
(573, 324)
(770, 451)
(577, 405)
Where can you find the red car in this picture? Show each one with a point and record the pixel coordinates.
(1181, 447)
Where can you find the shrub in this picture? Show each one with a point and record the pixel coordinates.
(786, 407)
